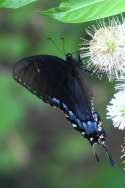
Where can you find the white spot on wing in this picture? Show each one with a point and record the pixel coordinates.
(91, 139)
(19, 79)
(74, 125)
(66, 115)
(38, 70)
(99, 129)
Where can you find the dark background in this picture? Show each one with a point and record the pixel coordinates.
(38, 147)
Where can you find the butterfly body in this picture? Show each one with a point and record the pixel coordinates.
(61, 83)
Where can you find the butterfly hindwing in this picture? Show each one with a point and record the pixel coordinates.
(62, 84)
(50, 77)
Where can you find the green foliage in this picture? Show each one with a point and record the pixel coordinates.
(12, 46)
(10, 110)
(65, 153)
(15, 3)
(72, 11)
(13, 104)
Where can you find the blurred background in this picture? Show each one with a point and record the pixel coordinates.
(38, 147)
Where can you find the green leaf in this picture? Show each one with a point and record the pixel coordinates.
(77, 11)
(14, 3)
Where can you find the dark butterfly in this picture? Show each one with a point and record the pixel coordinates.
(61, 83)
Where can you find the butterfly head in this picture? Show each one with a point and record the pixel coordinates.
(69, 57)
(99, 137)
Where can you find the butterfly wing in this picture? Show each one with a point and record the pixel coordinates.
(48, 77)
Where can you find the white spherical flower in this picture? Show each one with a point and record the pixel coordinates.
(120, 86)
(106, 49)
(123, 152)
(116, 110)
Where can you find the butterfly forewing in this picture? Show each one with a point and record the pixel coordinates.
(48, 76)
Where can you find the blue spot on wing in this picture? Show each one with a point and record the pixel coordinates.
(65, 108)
(55, 101)
(72, 116)
(89, 127)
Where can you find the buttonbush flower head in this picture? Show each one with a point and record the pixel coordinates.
(116, 110)
(105, 50)
(120, 86)
(123, 152)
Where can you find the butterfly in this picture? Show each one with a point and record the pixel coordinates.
(61, 83)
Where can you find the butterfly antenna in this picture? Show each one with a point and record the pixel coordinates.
(63, 44)
(95, 154)
(54, 44)
(112, 162)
